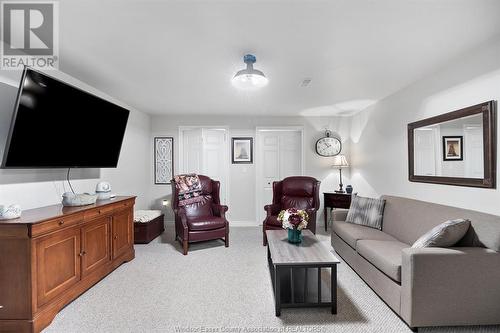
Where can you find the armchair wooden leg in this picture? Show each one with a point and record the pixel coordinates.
(185, 246)
(227, 240)
(264, 238)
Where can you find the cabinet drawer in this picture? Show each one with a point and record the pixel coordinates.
(337, 200)
(101, 211)
(54, 225)
(123, 204)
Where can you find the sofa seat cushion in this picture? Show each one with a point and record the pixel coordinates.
(385, 255)
(351, 233)
(205, 223)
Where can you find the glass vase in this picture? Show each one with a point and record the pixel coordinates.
(294, 236)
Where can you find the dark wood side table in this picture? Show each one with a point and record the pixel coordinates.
(335, 200)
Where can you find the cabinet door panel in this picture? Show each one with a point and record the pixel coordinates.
(122, 232)
(96, 245)
(58, 263)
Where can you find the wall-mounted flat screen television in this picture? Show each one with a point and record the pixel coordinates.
(56, 125)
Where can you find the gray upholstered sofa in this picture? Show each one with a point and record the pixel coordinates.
(426, 286)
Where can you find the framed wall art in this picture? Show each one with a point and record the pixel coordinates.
(164, 160)
(242, 150)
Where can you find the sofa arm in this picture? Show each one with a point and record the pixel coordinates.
(273, 209)
(450, 286)
(339, 214)
(181, 226)
(219, 210)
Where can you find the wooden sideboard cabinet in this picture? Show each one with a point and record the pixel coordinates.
(51, 255)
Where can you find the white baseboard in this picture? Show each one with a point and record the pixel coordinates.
(233, 223)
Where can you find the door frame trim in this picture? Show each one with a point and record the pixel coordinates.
(258, 167)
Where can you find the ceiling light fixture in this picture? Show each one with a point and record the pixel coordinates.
(249, 78)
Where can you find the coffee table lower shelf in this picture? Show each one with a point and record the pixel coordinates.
(301, 285)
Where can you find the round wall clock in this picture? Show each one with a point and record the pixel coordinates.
(328, 146)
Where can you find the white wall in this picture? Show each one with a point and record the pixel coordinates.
(379, 135)
(242, 176)
(40, 187)
(375, 141)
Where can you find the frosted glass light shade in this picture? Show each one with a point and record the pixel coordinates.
(253, 79)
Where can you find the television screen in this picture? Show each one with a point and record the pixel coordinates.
(56, 125)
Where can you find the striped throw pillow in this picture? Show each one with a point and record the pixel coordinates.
(444, 235)
(366, 211)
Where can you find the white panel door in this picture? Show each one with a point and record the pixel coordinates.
(278, 155)
(269, 163)
(205, 151)
(215, 161)
(192, 152)
(425, 153)
(290, 154)
(473, 152)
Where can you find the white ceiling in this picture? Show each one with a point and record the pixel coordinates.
(178, 57)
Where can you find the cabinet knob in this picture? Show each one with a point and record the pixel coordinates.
(1, 306)
(100, 212)
(61, 222)
(115, 237)
(80, 254)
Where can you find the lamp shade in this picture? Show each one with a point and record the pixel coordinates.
(340, 161)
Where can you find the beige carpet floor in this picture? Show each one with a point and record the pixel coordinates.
(218, 289)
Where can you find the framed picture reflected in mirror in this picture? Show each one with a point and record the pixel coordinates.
(453, 149)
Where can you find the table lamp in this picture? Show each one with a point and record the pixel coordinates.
(340, 162)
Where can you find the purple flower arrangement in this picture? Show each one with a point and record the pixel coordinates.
(293, 218)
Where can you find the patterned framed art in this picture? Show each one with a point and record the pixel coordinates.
(164, 159)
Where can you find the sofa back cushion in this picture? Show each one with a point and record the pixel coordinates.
(408, 219)
(288, 201)
(298, 192)
(200, 209)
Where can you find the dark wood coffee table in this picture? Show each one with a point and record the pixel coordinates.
(299, 271)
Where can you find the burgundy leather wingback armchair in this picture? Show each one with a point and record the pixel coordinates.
(292, 192)
(203, 220)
